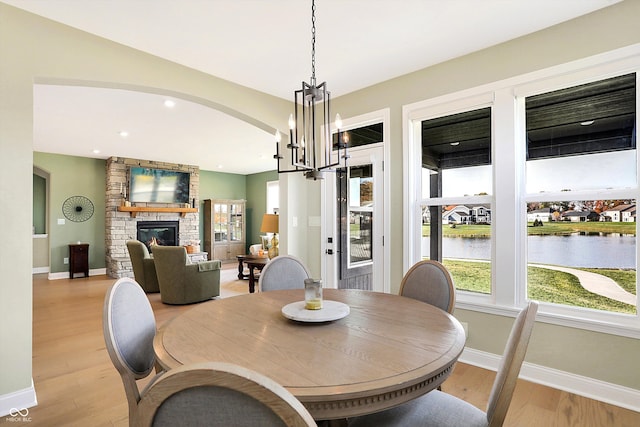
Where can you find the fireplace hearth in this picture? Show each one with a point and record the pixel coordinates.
(164, 233)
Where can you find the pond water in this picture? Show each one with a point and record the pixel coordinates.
(576, 250)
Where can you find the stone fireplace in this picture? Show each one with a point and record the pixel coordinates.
(184, 228)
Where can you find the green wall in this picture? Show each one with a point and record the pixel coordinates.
(74, 176)
(219, 185)
(64, 173)
(39, 205)
(252, 188)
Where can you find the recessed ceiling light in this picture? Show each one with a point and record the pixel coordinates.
(220, 167)
(455, 143)
(96, 151)
(587, 122)
(123, 133)
(169, 103)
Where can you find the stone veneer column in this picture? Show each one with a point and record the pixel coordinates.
(120, 226)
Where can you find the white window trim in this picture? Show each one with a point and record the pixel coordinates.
(509, 197)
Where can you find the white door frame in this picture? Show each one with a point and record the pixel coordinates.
(374, 153)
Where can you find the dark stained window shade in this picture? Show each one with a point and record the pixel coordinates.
(457, 141)
(365, 135)
(557, 121)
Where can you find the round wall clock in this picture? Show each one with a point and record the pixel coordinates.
(77, 208)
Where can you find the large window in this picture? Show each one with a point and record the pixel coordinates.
(527, 189)
(581, 249)
(456, 167)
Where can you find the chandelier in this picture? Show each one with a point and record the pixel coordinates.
(310, 142)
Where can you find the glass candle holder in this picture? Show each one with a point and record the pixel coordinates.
(312, 294)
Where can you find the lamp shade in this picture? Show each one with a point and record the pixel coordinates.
(269, 223)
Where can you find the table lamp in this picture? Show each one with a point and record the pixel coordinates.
(270, 225)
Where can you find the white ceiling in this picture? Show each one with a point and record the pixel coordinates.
(265, 45)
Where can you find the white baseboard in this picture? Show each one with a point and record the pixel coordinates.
(16, 404)
(39, 270)
(65, 274)
(98, 272)
(602, 391)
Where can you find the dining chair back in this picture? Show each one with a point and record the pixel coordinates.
(129, 328)
(509, 369)
(283, 272)
(220, 394)
(430, 281)
(438, 409)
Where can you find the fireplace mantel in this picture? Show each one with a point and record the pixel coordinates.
(133, 210)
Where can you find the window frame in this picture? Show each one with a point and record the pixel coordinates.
(509, 197)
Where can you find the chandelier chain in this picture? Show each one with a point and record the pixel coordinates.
(313, 42)
(311, 142)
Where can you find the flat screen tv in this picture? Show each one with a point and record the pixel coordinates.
(158, 185)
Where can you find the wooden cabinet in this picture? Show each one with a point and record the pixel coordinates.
(224, 228)
(79, 259)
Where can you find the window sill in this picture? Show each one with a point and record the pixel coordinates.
(624, 325)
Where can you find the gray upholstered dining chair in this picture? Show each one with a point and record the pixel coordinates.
(220, 394)
(129, 327)
(440, 409)
(283, 272)
(144, 269)
(429, 281)
(182, 282)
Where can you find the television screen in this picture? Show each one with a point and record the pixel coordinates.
(158, 185)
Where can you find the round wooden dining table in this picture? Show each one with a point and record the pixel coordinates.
(388, 350)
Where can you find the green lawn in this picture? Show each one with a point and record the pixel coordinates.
(546, 285)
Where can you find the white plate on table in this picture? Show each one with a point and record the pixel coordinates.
(331, 310)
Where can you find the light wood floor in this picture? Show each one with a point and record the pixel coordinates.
(76, 384)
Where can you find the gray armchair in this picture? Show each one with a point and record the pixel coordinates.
(144, 269)
(182, 282)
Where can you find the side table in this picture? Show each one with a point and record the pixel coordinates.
(242, 259)
(255, 264)
(78, 259)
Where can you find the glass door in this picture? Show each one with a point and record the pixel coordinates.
(355, 224)
(355, 241)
